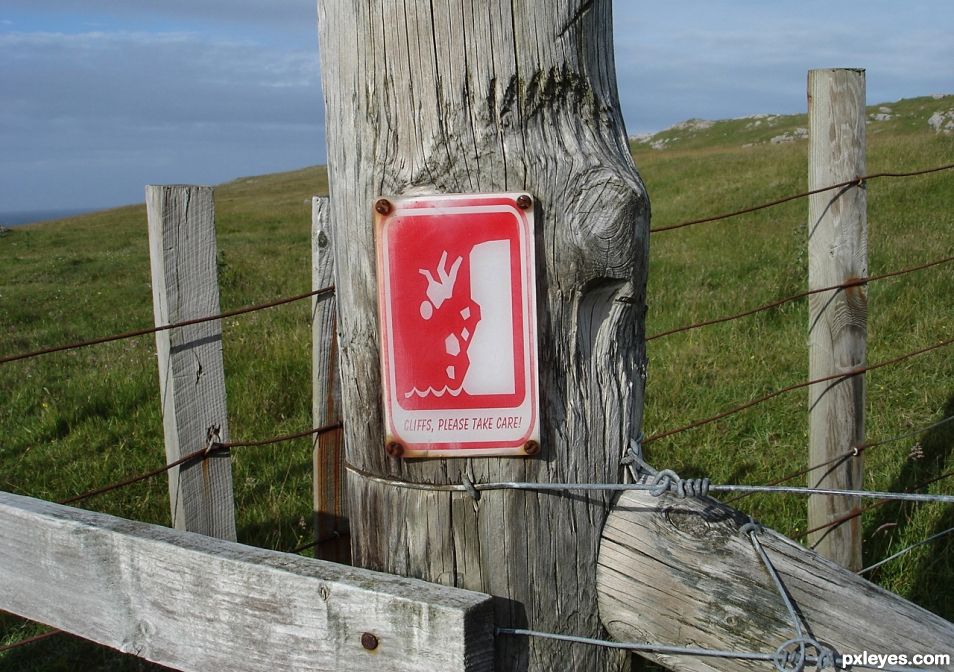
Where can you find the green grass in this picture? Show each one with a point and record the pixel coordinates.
(74, 421)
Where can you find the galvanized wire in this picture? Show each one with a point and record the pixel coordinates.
(907, 549)
(649, 487)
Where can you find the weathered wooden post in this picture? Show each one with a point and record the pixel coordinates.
(490, 97)
(191, 374)
(681, 572)
(837, 253)
(330, 499)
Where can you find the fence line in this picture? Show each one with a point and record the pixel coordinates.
(754, 402)
(774, 304)
(212, 449)
(857, 182)
(175, 325)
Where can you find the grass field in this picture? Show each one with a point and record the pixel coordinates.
(73, 421)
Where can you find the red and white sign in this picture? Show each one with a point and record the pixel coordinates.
(457, 301)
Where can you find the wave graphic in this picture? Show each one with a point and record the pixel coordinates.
(431, 391)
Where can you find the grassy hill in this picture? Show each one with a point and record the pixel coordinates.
(73, 421)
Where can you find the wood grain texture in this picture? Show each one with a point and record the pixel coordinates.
(480, 96)
(182, 254)
(837, 252)
(679, 572)
(330, 498)
(196, 603)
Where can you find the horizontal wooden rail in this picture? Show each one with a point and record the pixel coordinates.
(196, 603)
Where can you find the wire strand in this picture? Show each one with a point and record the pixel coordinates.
(907, 550)
(801, 295)
(857, 371)
(213, 448)
(30, 640)
(654, 488)
(840, 520)
(854, 452)
(857, 182)
(175, 325)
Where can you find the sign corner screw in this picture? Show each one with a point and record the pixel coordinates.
(524, 201)
(382, 206)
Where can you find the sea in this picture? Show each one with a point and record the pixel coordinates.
(13, 219)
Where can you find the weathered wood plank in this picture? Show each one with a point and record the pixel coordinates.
(465, 96)
(197, 603)
(182, 253)
(837, 252)
(679, 572)
(330, 498)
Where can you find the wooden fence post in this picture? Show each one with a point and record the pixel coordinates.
(837, 252)
(496, 97)
(182, 254)
(330, 497)
(680, 572)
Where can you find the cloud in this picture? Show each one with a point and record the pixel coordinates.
(138, 107)
(717, 60)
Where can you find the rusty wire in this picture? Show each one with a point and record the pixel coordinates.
(857, 512)
(175, 325)
(857, 371)
(855, 282)
(848, 454)
(30, 640)
(318, 542)
(198, 455)
(857, 182)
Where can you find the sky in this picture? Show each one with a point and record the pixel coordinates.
(101, 97)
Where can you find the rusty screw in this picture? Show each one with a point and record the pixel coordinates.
(383, 206)
(524, 201)
(531, 447)
(394, 449)
(369, 641)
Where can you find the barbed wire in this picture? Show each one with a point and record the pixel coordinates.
(840, 520)
(175, 325)
(857, 371)
(212, 449)
(857, 182)
(848, 454)
(788, 299)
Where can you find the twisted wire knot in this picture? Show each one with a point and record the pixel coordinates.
(470, 488)
(668, 480)
(752, 526)
(789, 659)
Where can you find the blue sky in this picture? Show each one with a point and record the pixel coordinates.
(100, 97)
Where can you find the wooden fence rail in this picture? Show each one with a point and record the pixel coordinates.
(198, 603)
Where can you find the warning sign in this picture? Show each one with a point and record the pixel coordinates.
(457, 307)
